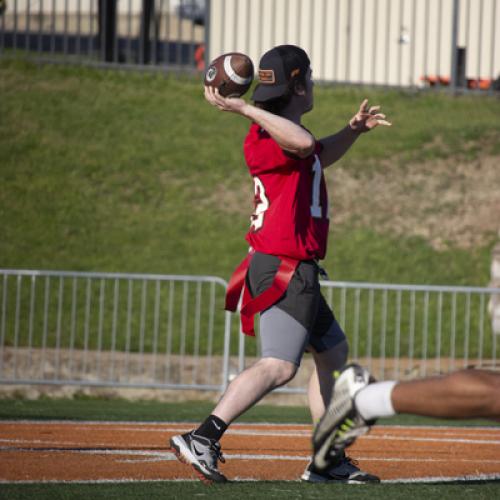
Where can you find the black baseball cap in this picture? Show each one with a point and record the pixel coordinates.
(277, 67)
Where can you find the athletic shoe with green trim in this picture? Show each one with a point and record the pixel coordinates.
(341, 424)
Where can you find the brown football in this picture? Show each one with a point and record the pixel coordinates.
(231, 73)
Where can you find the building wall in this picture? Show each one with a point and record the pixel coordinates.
(389, 42)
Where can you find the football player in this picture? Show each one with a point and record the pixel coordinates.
(279, 278)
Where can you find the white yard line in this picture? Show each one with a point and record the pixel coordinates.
(168, 456)
(487, 438)
(388, 437)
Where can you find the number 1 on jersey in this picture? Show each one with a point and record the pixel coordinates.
(316, 210)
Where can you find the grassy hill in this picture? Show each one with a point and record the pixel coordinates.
(114, 171)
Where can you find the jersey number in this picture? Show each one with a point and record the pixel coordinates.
(257, 219)
(316, 210)
(261, 205)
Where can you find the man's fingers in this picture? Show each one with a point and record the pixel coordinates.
(210, 92)
(364, 106)
(379, 121)
(373, 109)
(214, 98)
(220, 98)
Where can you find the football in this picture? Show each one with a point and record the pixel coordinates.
(231, 73)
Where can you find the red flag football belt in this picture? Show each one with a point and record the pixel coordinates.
(251, 306)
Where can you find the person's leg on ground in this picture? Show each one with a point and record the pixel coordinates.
(330, 350)
(200, 447)
(321, 381)
(341, 423)
(282, 341)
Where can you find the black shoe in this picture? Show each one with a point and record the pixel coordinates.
(201, 453)
(345, 471)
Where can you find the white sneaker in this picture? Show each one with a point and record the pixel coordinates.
(201, 453)
(341, 424)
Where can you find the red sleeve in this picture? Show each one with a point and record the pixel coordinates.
(262, 153)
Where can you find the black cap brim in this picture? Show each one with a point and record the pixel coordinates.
(265, 92)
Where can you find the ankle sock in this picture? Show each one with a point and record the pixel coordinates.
(374, 400)
(212, 428)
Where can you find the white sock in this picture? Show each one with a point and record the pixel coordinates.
(374, 400)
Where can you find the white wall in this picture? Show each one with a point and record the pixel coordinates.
(392, 42)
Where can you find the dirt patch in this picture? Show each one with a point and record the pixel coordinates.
(85, 451)
(449, 203)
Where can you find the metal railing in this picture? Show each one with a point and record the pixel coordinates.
(171, 332)
(106, 329)
(407, 331)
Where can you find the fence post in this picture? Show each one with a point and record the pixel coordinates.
(454, 48)
(107, 28)
(494, 302)
(208, 12)
(227, 351)
(148, 13)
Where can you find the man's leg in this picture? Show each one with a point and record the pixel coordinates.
(341, 423)
(354, 407)
(463, 394)
(200, 448)
(282, 340)
(330, 350)
(321, 381)
(251, 385)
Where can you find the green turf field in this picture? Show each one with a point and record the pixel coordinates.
(265, 489)
(91, 408)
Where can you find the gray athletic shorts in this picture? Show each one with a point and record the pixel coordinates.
(301, 318)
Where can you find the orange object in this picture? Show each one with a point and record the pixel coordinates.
(481, 83)
(199, 57)
(472, 83)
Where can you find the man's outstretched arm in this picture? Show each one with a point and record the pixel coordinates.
(336, 145)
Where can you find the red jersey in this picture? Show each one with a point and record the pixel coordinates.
(291, 201)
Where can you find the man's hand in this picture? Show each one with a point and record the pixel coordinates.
(367, 118)
(233, 104)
